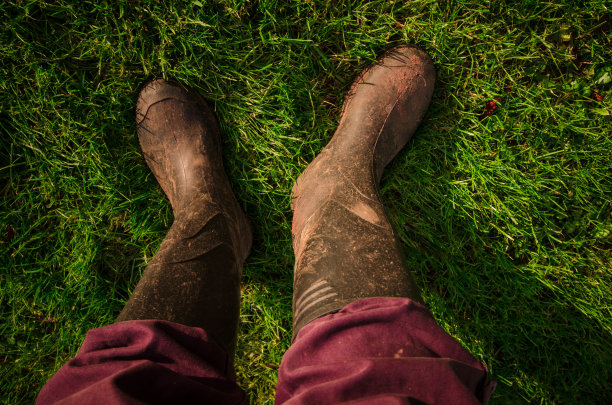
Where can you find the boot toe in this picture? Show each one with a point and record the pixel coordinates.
(158, 90)
(411, 55)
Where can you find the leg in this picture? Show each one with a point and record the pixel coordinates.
(359, 328)
(345, 248)
(174, 341)
(194, 279)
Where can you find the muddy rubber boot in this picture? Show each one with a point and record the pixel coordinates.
(194, 279)
(345, 248)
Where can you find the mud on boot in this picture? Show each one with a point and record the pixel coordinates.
(194, 279)
(345, 248)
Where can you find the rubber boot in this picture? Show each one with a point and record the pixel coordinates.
(194, 279)
(345, 247)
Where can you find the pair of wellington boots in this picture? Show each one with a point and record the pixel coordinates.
(345, 248)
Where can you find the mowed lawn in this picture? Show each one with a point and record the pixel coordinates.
(502, 201)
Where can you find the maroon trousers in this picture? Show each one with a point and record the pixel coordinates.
(376, 350)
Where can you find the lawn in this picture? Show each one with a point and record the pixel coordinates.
(502, 201)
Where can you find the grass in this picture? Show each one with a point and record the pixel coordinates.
(506, 220)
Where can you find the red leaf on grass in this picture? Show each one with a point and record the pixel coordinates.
(10, 233)
(490, 106)
(596, 96)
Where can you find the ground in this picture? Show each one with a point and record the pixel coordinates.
(502, 201)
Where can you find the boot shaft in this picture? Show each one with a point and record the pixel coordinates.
(345, 247)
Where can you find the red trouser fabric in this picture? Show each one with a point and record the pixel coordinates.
(376, 350)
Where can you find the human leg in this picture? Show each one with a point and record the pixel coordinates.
(345, 247)
(194, 279)
(359, 328)
(380, 350)
(174, 341)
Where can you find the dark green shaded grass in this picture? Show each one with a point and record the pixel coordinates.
(505, 221)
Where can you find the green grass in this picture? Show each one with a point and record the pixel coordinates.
(506, 220)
